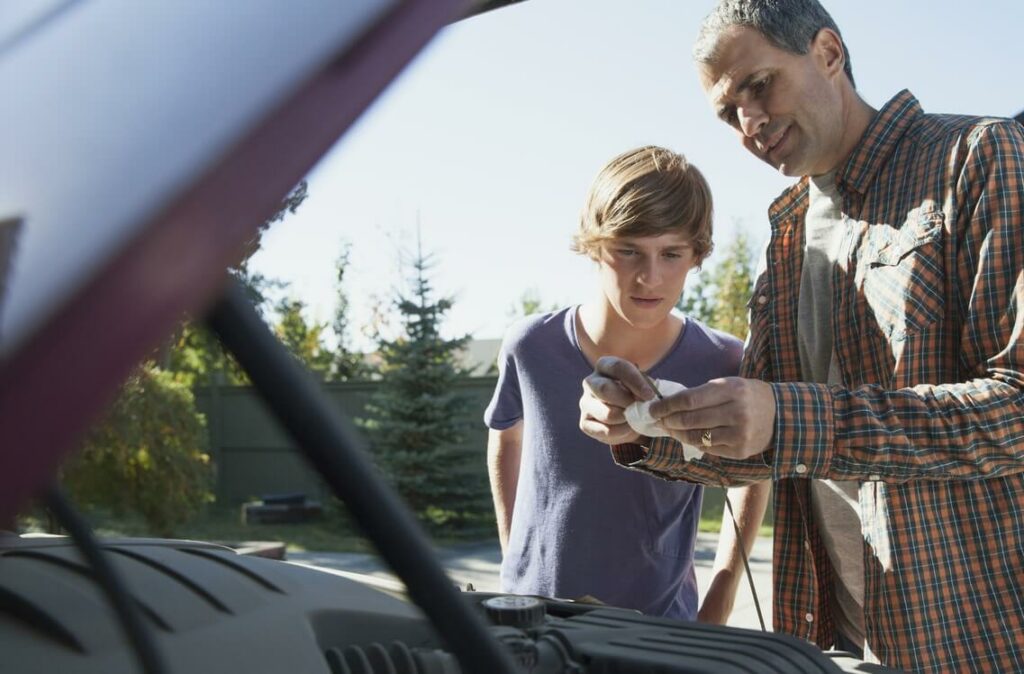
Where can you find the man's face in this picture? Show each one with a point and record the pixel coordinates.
(786, 107)
(643, 277)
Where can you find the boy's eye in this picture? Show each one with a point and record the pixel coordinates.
(626, 252)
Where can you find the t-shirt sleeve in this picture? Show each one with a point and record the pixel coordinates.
(724, 355)
(506, 406)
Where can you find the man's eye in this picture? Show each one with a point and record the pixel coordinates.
(626, 252)
(673, 256)
(758, 87)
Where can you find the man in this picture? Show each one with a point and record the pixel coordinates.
(571, 526)
(887, 319)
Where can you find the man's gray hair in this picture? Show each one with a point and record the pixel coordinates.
(787, 24)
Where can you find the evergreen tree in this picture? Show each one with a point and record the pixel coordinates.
(417, 418)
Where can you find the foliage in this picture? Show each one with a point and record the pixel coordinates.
(720, 299)
(193, 354)
(733, 280)
(196, 357)
(416, 419)
(346, 364)
(289, 205)
(694, 301)
(304, 340)
(147, 456)
(529, 303)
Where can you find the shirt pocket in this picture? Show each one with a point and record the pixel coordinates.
(901, 274)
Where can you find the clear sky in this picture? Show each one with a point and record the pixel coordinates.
(492, 136)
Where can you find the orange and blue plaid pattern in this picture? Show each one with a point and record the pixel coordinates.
(929, 313)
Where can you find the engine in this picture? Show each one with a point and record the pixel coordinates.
(212, 610)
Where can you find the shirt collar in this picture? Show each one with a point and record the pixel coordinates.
(871, 153)
(879, 141)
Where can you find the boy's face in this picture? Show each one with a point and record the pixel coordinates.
(643, 277)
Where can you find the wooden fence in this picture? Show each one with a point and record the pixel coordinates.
(254, 455)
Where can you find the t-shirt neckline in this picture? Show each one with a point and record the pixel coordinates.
(574, 339)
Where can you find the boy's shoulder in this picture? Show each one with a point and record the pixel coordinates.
(535, 329)
(715, 339)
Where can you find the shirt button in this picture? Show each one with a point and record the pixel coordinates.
(809, 617)
(801, 468)
(762, 299)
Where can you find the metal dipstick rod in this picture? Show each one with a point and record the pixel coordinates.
(732, 515)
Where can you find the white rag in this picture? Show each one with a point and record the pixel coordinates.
(638, 415)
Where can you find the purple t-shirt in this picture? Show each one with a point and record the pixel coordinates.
(582, 525)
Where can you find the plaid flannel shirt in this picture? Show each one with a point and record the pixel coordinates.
(928, 300)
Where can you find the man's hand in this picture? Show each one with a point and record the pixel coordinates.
(739, 415)
(607, 392)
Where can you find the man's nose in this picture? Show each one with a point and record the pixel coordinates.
(752, 120)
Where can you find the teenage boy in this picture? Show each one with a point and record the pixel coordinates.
(571, 526)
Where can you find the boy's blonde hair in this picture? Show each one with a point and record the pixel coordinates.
(648, 191)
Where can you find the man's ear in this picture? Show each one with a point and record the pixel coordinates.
(827, 48)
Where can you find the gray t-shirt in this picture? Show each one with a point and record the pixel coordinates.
(834, 502)
(582, 525)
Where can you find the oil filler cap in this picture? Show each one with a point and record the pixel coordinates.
(515, 611)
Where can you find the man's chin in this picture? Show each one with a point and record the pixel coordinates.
(789, 168)
(775, 165)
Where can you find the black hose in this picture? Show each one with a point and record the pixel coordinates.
(328, 443)
(139, 634)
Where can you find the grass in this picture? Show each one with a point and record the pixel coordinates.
(331, 533)
(334, 532)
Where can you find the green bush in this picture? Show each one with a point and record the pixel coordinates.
(147, 456)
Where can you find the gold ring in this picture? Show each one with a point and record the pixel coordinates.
(705, 438)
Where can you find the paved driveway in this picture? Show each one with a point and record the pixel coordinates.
(478, 564)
